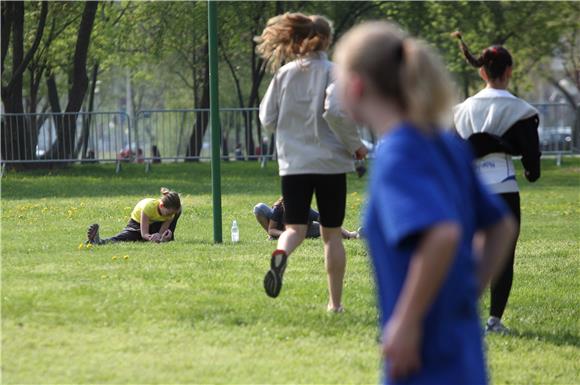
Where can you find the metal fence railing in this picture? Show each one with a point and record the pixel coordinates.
(556, 129)
(178, 135)
(184, 134)
(64, 137)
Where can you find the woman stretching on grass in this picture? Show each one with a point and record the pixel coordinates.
(499, 125)
(315, 142)
(152, 220)
(272, 220)
(425, 204)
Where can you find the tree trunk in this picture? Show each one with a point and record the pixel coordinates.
(35, 122)
(66, 126)
(258, 71)
(272, 147)
(14, 126)
(225, 149)
(201, 117)
(82, 145)
(52, 90)
(576, 134)
(572, 102)
(7, 18)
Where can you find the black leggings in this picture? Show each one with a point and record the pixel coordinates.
(502, 285)
(132, 232)
(330, 191)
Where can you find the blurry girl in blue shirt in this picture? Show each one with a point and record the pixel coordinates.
(425, 204)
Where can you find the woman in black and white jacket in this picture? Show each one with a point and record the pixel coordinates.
(499, 125)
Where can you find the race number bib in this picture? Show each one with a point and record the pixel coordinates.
(495, 168)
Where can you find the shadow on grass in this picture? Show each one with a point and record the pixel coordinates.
(303, 323)
(564, 339)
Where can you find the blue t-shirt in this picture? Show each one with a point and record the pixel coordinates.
(418, 181)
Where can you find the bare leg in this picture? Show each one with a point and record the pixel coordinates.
(292, 237)
(288, 241)
(335, 261)
(263, 221)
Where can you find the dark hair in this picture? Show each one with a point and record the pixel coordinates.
(279, 202)
(494, 59)
(170, 199)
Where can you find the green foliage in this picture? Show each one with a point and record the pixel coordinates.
(162, 43)
(193, 312)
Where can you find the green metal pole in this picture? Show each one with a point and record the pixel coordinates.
(215, 121)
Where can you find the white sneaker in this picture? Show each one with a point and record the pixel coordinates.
(495, 326)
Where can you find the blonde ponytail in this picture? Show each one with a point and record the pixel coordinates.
(426, 84)
(292, 35)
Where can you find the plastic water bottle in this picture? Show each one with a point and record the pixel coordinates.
(235, 232)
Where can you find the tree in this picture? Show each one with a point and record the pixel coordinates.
(64, 146)
(17, 131)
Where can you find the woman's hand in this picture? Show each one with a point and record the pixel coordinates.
(155, 237)
(166, 237)
(361, 153)
(401, 348)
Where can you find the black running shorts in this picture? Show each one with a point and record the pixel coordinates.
(330, 190)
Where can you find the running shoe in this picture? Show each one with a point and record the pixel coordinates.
(495, 326)
(93, 234)
(273, 278)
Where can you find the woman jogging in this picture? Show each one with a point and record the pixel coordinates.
(499, 125)
(152, 220)
(425, 204)
(315, 142)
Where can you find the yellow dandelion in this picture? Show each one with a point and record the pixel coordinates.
(114, 257)
(81, 245)
(125, 257)
(89, 245)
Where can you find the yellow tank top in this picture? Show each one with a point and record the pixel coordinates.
(149, 207)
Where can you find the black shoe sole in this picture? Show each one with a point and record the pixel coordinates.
(273, 278)
(93, 233)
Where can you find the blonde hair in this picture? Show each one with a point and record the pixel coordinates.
(400, 68)
(292, 35)
(170, 199)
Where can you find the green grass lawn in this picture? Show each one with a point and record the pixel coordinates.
(194, 312)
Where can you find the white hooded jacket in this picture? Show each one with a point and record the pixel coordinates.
(313, 135)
